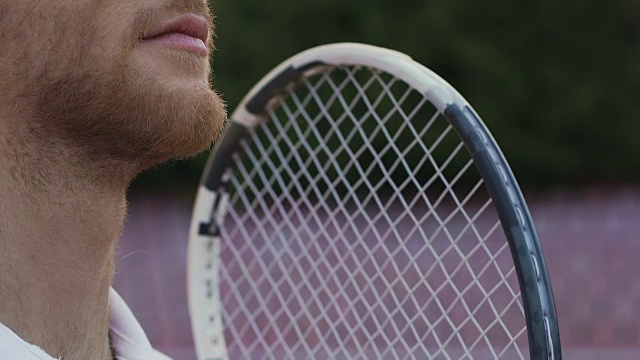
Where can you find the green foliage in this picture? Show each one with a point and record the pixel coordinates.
(557, 82)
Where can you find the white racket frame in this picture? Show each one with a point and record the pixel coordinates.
(203, 253)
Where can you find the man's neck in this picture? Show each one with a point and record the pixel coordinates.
(59, 225)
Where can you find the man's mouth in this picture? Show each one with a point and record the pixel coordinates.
(189, 32)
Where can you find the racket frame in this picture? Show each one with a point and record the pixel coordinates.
(212, 198)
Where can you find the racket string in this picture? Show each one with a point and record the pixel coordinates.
(324, 264)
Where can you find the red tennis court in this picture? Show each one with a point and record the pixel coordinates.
(590, 240)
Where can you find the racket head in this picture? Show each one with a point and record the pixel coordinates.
(212, 202)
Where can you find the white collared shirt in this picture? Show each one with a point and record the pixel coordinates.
(129, 340)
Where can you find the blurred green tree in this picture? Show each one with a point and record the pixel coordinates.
(557, 82)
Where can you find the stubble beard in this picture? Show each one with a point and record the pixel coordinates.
(96, 99)
(117, 114)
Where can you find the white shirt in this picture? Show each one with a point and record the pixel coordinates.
(129, 340)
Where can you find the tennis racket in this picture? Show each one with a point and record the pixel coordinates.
(356, 207)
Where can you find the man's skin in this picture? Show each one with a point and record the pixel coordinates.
(85, 105)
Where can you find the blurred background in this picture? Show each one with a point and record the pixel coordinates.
(558, 84)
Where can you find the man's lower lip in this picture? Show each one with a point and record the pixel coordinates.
(180, 41)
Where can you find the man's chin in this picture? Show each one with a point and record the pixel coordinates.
(128, 118)
(182, 132)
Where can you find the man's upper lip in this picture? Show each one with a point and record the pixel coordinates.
(191, 24)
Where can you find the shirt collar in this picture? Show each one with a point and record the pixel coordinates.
(129, 340)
